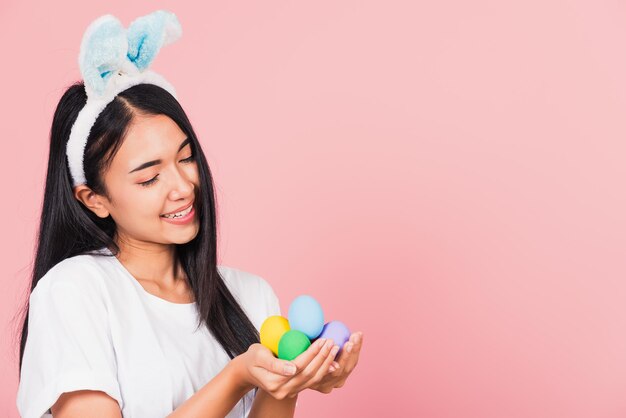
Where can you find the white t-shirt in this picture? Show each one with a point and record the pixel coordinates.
(93, 326)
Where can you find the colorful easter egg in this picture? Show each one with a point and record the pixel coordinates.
(336, 331)
(273, 328)
(306, 315)
(292, 344)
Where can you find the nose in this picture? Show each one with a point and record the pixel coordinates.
(182, 186)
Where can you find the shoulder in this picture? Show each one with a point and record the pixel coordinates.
(83, 273)
(243, 282)
(255, 294)
(71, 293)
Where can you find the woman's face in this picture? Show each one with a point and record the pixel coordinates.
(142, 188)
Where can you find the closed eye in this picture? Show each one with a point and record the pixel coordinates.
(149, 182)
(154, 179)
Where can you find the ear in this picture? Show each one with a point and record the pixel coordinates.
(91, 200)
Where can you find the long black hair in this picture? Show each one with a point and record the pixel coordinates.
(68, 228)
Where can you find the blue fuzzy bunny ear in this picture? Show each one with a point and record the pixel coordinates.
(103, 50)
(147, 34)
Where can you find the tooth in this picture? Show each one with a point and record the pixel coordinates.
(179, 214)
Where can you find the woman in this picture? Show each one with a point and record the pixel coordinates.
(129, 312)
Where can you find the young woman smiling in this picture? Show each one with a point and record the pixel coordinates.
(130, 313)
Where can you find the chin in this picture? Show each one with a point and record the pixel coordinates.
(186, 238)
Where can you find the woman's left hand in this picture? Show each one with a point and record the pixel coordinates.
(348, 360)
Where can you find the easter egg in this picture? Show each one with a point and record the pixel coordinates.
(336, 331)
(292, 344)
(306, 315)
(273, 328)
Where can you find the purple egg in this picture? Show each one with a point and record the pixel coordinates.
(338, 332)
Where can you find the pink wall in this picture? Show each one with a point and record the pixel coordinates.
(447, 177)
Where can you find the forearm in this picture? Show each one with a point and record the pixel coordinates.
(266, 406)
(217, 398)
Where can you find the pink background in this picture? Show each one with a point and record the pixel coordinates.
(446, 176)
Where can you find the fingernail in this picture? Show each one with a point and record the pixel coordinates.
(349, 347)
(320, 343)
(334, 350)
(332, 368)
(357, 338)
(289, 369)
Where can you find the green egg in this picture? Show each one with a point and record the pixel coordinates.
(292, 344)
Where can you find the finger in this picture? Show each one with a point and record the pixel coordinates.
(354, 350)
(277, 366)
(340, 366)
(346, 355)
(327, 364)
(311, 369)
(318, 365)
(298, 382)
(308, 355)
(348, 360)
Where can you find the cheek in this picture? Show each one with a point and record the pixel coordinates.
(193, 173)
(142, 206)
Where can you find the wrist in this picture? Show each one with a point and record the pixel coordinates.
(239, 376)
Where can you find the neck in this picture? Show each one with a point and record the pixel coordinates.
(150, 262)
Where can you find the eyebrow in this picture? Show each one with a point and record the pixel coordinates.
(155, 162)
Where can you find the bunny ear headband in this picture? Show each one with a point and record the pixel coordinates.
(113, 59)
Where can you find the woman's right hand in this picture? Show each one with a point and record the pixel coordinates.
(260, 368)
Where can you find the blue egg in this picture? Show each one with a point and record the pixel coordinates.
(306, 315)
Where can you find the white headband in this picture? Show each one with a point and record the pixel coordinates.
(113, 59)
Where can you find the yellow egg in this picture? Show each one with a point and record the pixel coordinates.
(272, 330)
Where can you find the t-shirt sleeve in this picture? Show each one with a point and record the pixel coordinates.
(68, 347)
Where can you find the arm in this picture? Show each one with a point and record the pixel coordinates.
(215, 399)
(218, 397)
(82, 403)
(266, 406)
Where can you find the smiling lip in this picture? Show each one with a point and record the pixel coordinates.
(178, 210)
(183, 220)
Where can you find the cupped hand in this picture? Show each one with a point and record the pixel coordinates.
(341, 369)
(263, 370)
